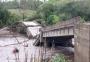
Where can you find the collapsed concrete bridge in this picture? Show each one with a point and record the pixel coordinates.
(61, 33)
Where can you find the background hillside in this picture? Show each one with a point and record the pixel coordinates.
(47, 12)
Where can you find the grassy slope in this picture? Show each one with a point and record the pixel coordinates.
(19, 12)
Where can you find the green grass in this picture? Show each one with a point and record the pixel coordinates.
(59, 58)
(27, 13)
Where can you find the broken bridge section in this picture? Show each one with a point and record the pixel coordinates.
(61, 33)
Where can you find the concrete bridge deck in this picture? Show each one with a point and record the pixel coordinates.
(61, 33)
(65, 28)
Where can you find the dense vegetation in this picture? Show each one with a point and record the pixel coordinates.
(13, 11)
(6, 18)
(49, 12)
(59, 58)
(23, 4)
(54, 11)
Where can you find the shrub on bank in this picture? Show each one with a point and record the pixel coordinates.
(59, 58)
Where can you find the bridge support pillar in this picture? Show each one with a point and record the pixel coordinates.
(48, 41)
(82, 43)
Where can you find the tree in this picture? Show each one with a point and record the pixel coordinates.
(73, 9)
(45, 11)
(4, 15)
(6, 18)
(24, 4)
(69, 9)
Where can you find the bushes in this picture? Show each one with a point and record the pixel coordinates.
(54, 11)
(59, 58)
(52, 19)
(13, 18)
(46, 12)
(4, 15)
(6, 18)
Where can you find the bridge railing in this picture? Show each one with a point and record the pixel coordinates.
(67, 23)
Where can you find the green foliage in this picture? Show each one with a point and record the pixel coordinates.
(27, 13)
(59, 10)
(52, 19)
(4, 15)
(34, 4)
(6, 18)
(46, 12)
(23, 4)
(60, 1)
(59, 58)
(13, 18)
(11, 4)
(73, 9)
(34, 17)
(52, 11)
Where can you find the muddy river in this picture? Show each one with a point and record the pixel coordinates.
(25, 50)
